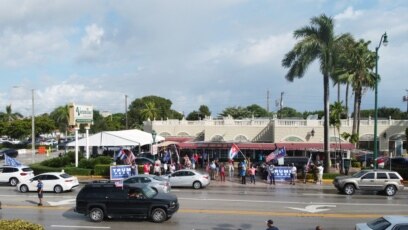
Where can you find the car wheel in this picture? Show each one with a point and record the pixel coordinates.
(23, 188)
(390, 190)
(349, 189)
(158, 215)
(197, 185)
(96, 215)
(13, 181)
(58, 189)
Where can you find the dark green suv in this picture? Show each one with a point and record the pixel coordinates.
(102, 200)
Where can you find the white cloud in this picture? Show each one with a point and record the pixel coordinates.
(349, 14)
(93, 37)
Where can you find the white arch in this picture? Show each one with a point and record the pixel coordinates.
(241, 138)
(183, 134)
(295, 139)
(217, 138)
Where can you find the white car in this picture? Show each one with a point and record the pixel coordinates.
(14, 174)
(385, 223)
(52, 182)
(189, 178)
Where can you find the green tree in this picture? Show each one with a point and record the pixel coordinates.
(149, 111)
(236, 112)
(258, 111)
(287, 112)
(44, 124)
(60, 116)
(202, 112)
(356, 67)
(9, 116)
(115, 122)
(318, 42)
(162, 105)
(18, 129)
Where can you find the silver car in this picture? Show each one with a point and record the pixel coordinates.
(372, 180)
(189, 178)
(154, 181)
(385, 223)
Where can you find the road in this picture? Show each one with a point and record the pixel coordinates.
(222, 206)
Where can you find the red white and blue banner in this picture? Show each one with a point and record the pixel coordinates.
(233, 152)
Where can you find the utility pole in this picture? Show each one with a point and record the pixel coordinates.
(281, 105)
(405, 98)
(126, 111)
(267, 100)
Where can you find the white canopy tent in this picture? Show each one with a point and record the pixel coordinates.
(132, 137)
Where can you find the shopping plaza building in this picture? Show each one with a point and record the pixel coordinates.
(257, 137)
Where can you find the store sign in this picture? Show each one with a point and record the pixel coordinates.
(80, 114)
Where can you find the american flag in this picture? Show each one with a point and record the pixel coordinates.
(277, 153)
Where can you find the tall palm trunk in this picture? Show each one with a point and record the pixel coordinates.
(326, 122)
(354, 131)
(347, 93)
(338, 92)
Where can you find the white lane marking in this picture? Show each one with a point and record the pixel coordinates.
(72, 226)
(62, 202)
(292, 202)
(314, 208)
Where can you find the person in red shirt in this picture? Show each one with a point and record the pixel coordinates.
(146, 168)
(222, 172)
(251, 172)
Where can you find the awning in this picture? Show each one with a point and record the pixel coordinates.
(264, 146)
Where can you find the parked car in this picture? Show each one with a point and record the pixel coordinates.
(385, 223)
(53, 182)
(157, 182)
(372, 180)
(143, 160)
(189, 178)
(105, 199)
(14, 174)
(9, 152)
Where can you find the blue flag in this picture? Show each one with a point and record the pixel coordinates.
(11, 161)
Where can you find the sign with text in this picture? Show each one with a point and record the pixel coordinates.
(282, 173)
(119, 172)
(80, 114)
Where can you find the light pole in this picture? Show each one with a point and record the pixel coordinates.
(126, 111)
(405, 98)
(154, 139)
(32, 127)
(384, 40)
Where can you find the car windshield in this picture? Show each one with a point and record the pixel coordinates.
(149, 192)
(359, 174)
(378, 224)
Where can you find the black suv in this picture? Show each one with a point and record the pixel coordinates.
(113, 200)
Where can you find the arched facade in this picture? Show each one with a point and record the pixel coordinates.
(241, 138)
(217, 138)
(293, 139)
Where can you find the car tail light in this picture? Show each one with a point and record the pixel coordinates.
(69, 180)
(402, 181)
(206, 177)
(23, 174)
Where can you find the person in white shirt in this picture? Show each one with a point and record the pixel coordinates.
(320, 174)
(293, 172)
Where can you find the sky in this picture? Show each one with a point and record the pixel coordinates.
(219, 53)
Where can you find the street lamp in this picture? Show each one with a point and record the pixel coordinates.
(32, 124)
(384, 40)
(32, 127)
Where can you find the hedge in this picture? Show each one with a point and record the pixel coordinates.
(78, 171)
(38, 168)
(19, 224)
(102, 170)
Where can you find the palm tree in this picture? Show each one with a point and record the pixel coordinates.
(318, 42)
(357, 69)
(336, 112)
(9, 116)
(150, 111)
(61, 117)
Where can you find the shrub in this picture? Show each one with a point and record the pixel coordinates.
(355, 164)
(38, 169)
(86, 163)
(330, 175)
(102, 170)
(78, 171)
(103, 160)
(19, 224)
